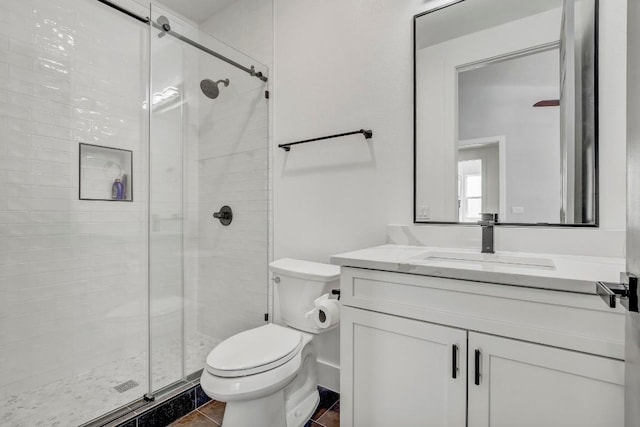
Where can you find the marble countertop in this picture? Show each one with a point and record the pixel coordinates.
(547, 271)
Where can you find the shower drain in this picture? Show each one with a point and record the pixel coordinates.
(127, 385)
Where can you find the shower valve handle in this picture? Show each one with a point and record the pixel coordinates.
(225, 215)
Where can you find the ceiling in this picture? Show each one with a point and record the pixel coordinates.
(475, 15)
(195, 10)
(541, 69)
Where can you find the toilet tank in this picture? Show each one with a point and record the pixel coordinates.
(298, 283)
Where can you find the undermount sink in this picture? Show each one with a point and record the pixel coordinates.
(506, 260)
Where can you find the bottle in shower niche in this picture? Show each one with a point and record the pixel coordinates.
(125, 195)
(117, 190)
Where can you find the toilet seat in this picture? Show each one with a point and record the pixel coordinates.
(254, 351)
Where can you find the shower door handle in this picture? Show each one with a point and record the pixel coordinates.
(225, 215)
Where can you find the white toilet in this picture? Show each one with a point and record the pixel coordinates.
(268, 375)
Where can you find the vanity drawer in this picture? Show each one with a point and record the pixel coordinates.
(578, 322)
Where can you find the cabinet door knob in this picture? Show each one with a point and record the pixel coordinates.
(477, 367)
(454, 361)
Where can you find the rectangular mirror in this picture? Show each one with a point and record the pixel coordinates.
(506, 112)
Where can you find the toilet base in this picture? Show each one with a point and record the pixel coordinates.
(299, 416)
(267, 411)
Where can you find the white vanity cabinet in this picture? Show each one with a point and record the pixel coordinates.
(401, 371)
(545, 358)
(531, 385)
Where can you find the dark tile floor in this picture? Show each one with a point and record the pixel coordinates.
(212, 413)
(208, 415)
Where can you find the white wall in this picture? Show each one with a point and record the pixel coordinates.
(612, 71)
(247, 25)
(343, 65)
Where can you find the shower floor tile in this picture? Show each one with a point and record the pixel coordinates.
(75, 400)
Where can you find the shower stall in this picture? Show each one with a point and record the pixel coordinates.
(123, 129)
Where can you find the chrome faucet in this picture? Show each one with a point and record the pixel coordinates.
(487, 221)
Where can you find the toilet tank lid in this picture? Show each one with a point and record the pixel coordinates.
(305, 269)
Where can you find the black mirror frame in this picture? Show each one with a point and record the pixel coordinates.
(596, 194)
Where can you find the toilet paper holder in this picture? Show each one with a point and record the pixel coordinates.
(326, 311)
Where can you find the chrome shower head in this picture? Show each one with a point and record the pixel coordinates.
(210, 88)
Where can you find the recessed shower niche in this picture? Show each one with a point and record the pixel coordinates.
(105, 173)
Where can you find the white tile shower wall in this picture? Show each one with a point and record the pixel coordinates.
(191, 194)
(72, 273)
(247, 25)
(233, 170)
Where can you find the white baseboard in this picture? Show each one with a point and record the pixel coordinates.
(329, 375)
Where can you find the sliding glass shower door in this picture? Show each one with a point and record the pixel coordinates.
(208, 149)
(73, 260)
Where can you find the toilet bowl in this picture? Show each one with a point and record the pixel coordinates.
(268, 375)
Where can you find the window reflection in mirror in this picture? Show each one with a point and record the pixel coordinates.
(470, 200)
(506, 97)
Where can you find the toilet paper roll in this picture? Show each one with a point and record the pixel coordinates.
(326, 314)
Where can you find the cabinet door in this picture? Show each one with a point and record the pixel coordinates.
(399, 372)
(530, 385)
